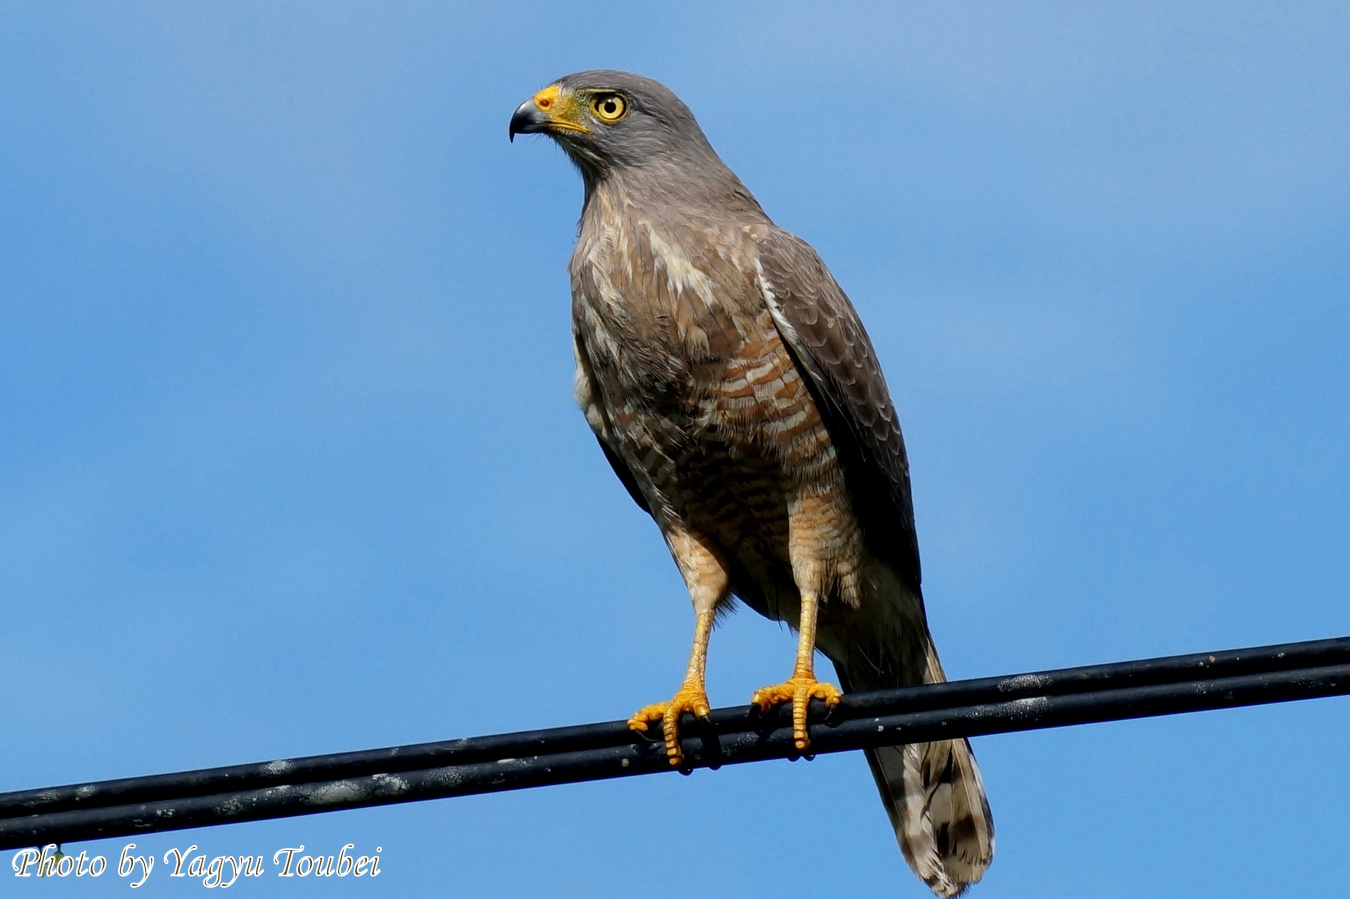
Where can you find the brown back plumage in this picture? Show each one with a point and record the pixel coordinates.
(933, 792)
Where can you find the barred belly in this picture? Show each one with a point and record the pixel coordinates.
(735, 452)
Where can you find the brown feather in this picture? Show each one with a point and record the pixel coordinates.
(739, 399)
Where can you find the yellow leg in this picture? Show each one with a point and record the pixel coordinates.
(691, 697)
(802, 686)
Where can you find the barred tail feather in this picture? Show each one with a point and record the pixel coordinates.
(935, 799)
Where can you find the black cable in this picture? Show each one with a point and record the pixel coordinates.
(736, 735)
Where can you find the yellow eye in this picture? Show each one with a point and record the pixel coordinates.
(609, 108)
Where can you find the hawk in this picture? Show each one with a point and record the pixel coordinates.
(734, 391)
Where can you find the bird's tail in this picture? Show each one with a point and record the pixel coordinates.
(933, 794)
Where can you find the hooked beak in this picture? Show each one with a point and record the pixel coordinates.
(552, 110)
(528, 119)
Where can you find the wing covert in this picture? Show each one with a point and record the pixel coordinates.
(827, 341)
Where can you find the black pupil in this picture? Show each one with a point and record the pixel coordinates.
(610, 107)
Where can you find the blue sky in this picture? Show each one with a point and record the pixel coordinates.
(289, 462)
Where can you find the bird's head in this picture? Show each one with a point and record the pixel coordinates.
(611, 121)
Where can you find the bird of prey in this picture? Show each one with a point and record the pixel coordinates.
(735, 393)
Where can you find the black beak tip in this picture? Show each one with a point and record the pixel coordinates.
(528, 119)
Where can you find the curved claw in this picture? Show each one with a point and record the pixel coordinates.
(800, 690)
(691, 698)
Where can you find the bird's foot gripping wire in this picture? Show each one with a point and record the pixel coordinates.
(800, 689)
(692, 698)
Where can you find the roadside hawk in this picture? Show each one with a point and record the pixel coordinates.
(738, 398)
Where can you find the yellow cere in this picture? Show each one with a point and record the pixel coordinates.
(546, 98)
(561, 109)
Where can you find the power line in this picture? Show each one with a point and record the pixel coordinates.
(314, 784)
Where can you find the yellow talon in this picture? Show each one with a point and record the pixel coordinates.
(800, 690)
(691, 698)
